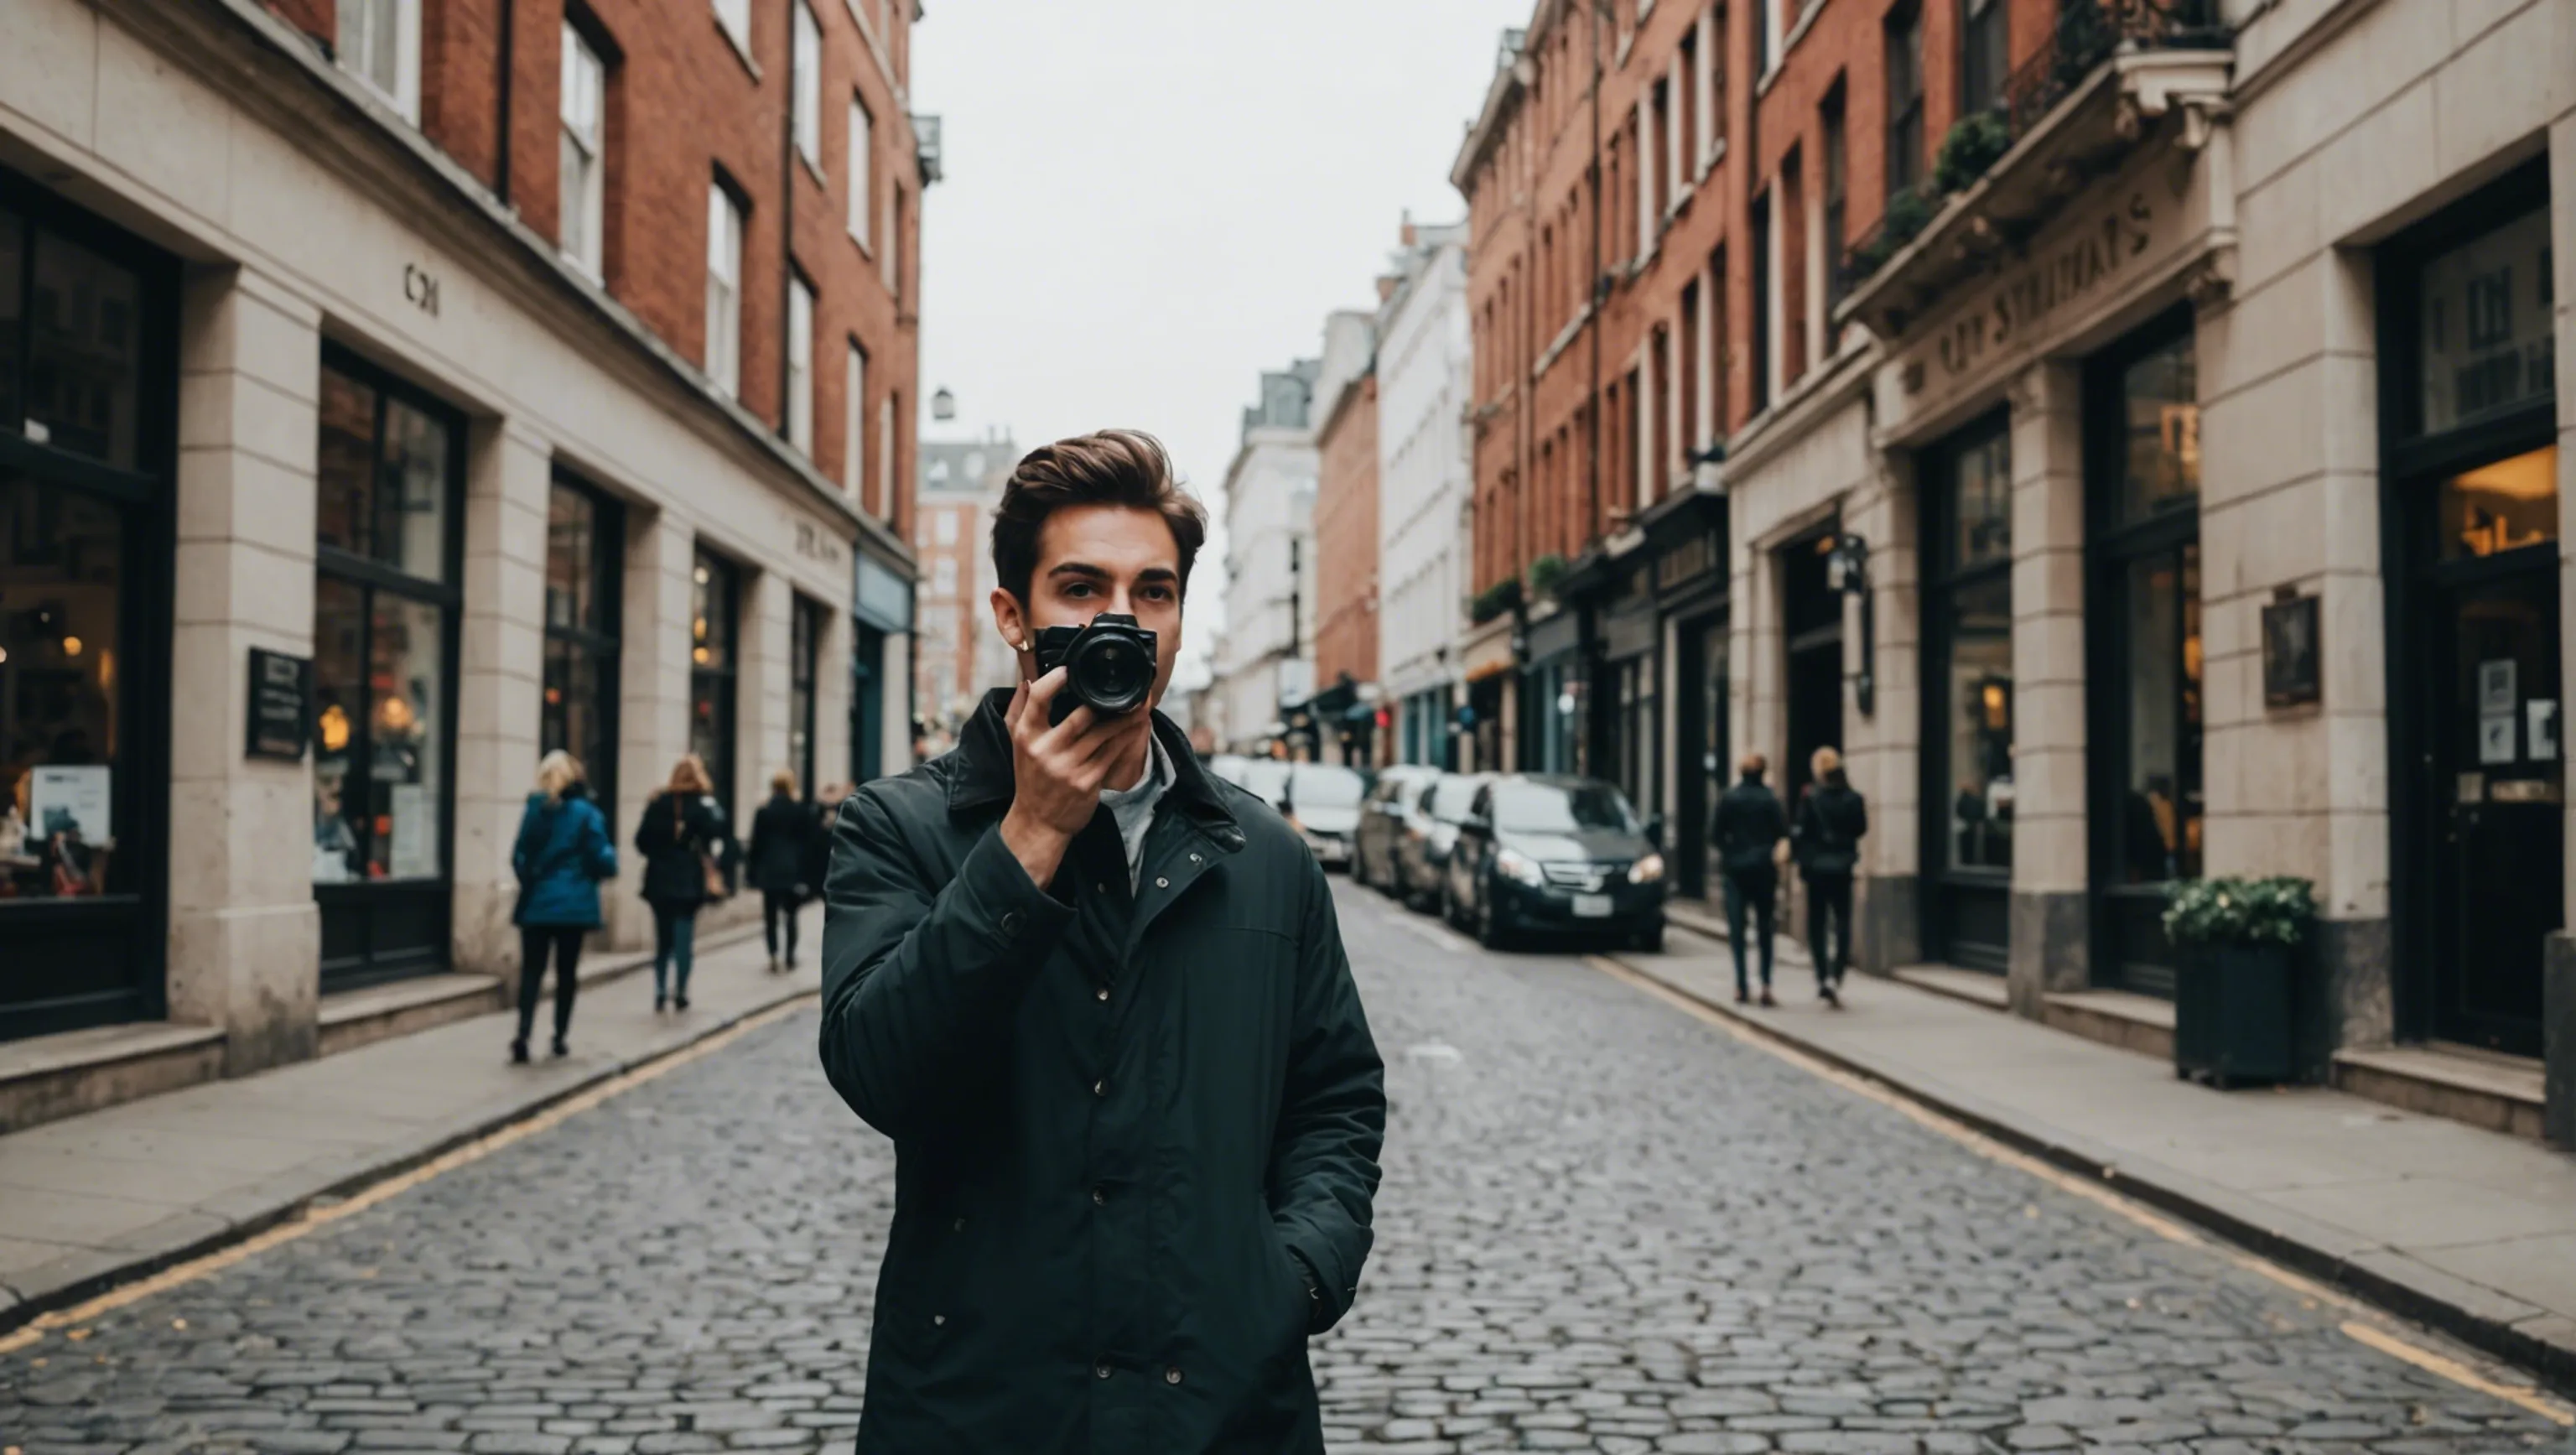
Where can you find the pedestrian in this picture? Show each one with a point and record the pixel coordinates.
(1746, 831)
(1826, 843)
(779, 862)
(818, 846)
(1098, 999)
(561, 855)
(682, 836)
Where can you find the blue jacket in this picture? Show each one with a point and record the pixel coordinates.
(562, 854)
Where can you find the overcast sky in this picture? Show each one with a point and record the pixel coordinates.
(1148, 202)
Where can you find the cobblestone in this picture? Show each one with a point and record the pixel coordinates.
(1605, 1227)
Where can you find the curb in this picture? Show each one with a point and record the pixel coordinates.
(85, 1277)
(2423, 1295)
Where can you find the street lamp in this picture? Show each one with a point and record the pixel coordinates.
(1847, 570)
(943, 405)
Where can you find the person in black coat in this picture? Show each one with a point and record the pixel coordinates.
(682, 836)
(1826, 843)
(1746, 831)
(780, 862)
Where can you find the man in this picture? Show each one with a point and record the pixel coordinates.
(1832, 817)
(1746, 831)
(1098, 999)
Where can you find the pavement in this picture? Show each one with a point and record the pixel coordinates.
(1606, 1224)
(96, 1200)
(2468, 1230)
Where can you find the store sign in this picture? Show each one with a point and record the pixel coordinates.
(815, 544)
(281, 696)
(1690, 560)
(882, 598)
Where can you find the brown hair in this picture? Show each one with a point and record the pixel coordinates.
(1113, 467)
(689, 775)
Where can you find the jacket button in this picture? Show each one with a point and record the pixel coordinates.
(1101, 994)
(1011, 922)
(961, 1225)
(1162, 883)
(938, 1320)
(1172, 1374)
(1194, 858)
(1100, 1197)
(1100, 1369)
(1100, 1088)
(1101, 888)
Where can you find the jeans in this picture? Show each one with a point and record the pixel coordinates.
(1752, 892)
(774, 907)
(1829, 905)
(675, 933)
(534, 940)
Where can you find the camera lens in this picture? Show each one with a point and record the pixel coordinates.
(1112, 674)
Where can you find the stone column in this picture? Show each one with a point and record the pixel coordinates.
(1883, 752)
(2051, 916)
(245, 936)
(653, 696)
(832, 698)
(501, 680)
(761, 726)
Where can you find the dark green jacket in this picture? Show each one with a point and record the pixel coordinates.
(1136, 1137)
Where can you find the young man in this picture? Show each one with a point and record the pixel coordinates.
(1746, 831)
(1098, 999)
(1832, 817)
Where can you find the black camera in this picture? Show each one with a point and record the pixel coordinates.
(1108, 665)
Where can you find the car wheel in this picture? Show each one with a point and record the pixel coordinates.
(1651, 939)
(1489, 928)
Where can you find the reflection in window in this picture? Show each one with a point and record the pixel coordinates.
(62, 559)
(2487, 331)
(2501, 507)
(713, 639)
(2160, 817)
(382, 471)
(2161, 398)
(584, 533)
(84, 345)
(1980, 700)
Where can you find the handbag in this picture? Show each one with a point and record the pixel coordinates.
(711, 871)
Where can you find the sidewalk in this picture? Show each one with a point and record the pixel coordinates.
(2471, 1232)
(97, 1200)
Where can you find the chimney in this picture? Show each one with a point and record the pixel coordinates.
(1410, 238)
(1386, 285)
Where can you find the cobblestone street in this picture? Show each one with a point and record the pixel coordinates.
(1605, 1226)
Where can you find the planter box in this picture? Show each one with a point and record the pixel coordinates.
(2232, 1014)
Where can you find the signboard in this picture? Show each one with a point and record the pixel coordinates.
(2291, 672)
(882, 598)
(281, 693)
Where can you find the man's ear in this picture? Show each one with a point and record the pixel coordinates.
(1010, 620)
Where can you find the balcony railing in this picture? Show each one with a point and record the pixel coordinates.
(2087, 33)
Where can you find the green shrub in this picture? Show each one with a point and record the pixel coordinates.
(1545, 573)
(1972, 146)
(1494, 600)
(2275, 911)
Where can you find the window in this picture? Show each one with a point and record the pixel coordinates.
(1764, 305)
(943, 572)
(886, 417)
(1904, 41)
(734, 18)
(854, 423)
(379, 43)
(1837, 162)
(804, 658)
(81, 348)
(862, 169)
(800, 365)
(946, 529)
(1662, 145)
(724, 290)
(1688, 134)
(1984, 52)
(1971, 607)
(1713, 126)
(1762, 39)
(892, 242)
(805, 66)
(2484, 315)
(714, 648)
(585, 575)
(584, 172)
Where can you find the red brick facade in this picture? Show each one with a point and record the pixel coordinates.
(1346, 536)
(712, 111)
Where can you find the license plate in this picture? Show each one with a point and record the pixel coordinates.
(1592, 906)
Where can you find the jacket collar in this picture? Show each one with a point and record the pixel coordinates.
(980, 767)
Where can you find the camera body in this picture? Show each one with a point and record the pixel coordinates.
(1109, 665)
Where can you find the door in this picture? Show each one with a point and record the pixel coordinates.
(1812, 613)
(2493, 737)
(1968, 789)
(1699, 764)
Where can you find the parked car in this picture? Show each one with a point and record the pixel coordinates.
(1391, 805)
(1552, 854)
(1265, 779)
(1422, 855)
(1322, 802)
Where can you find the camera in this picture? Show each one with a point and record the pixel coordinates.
(1109, 665)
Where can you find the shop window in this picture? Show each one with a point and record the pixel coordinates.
(62, 585)
(2501, 507)
(714, 652)
(585, 573)
(383, 476)
(2487, 333)
(1969, 606)
(803, 661)
(82, 344)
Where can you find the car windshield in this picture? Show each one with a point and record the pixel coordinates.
(1452, 797)
(1325, 787)
(1543, 808)
(1265, 778)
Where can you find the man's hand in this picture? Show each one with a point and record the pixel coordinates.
(1057, 772)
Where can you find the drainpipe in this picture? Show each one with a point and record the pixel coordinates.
(501, 106)
(787, 216)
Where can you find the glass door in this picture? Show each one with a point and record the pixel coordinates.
(1968, 695)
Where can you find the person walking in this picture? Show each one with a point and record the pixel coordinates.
(683, 839)
(1826, 843)
(561, 855)
(1746, 831)
(1098, 999)
(780, 862)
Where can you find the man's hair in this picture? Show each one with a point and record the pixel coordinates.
(1114, 467)
(1752, 763)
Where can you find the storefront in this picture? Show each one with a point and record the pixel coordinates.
(88, 346)
(1626, 732)
(1551, 694)
(1965, 488)
(880, 678)
(585, 607)
(389, 555)
(2470, 490)
(1690, 584)
(1487, 731)
(715, 657)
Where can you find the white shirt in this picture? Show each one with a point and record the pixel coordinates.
(1133, 807)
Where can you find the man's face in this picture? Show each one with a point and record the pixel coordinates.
(1096, 558)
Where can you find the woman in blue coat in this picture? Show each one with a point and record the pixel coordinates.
(562, 854)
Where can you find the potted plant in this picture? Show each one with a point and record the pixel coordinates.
(2237, 942)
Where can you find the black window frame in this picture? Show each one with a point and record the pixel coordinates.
(1836, 183)
(603, 642)
(124, 932)
(358, 913)
(1901, 36)
(806, 620)
(1949, 888)
(1989, 29)
(1763, 244)
(719, 681)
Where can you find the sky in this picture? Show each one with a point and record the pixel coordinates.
(1149, 202)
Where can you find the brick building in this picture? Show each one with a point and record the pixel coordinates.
(1346, 545)
(960, 653)
(2136, 436)
(411, 388)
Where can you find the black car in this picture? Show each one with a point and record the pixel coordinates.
(1551, 854)
(1383, 816)
(1422, 855)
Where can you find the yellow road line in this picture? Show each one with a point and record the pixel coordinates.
(2367, 1325)
(315, 1218)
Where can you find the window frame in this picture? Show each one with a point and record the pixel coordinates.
(805, 83)
(1901, 35)
(1945, 579)
(404, 97)
(722, 679)
(797, 417)
(727, 220)
(584, 245)
(603, 642)
(862, 172)
(807, 621)
(733, 18)
(854, 420)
